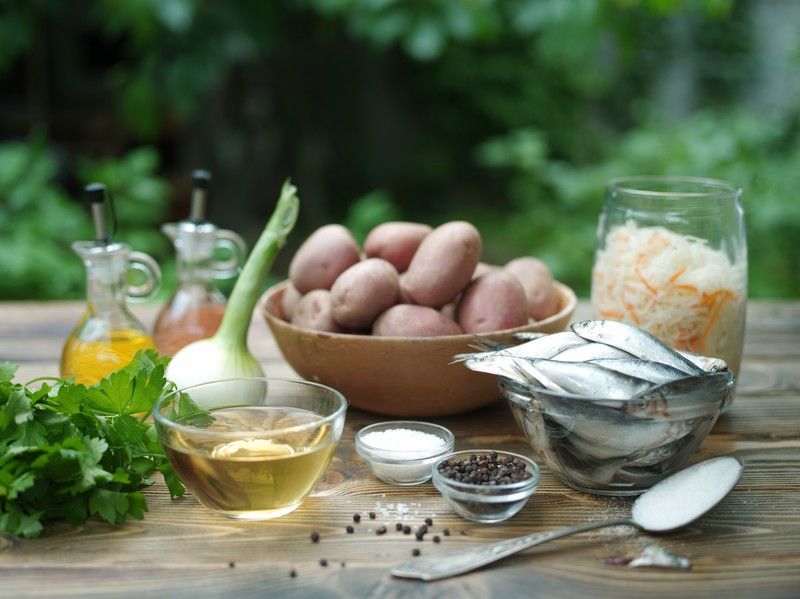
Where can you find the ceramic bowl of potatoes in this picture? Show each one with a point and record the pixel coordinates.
(382, 323)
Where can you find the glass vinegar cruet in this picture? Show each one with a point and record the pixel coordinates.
(108, 335)
(196, 308)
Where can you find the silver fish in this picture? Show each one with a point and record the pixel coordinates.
(655, 372)
(625, 439)
(540, 347)
(591, 380)
(527, 336)
(485, 344)
(706, 363)
(495, 364)
(590, 352)
(656, 401)
(634, 341)
(534, 377)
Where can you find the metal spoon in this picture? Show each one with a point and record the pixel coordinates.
(672, 503)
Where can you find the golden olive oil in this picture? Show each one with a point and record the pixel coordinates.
(253, 477)
(90, 361)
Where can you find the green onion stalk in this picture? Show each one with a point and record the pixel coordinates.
(226, 355)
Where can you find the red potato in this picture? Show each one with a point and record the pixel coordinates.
(396, 242)
(449, 311)
(537, 281)
(402, 296)
(289, 301)
(327, 253)
(492, 302)
(363, 291)
(482, 268)
(313, 311)
(443, 264)
(405, 320)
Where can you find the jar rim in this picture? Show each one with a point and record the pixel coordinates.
(685, 187)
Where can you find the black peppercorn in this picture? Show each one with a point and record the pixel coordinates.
(415, 552)
(356, 518)
(381, 531)
(398, 526)
(429, 521)
(486, 469)
(315, 537)
(372, 515)
(323, 562)
(349, 529)
(436, 539)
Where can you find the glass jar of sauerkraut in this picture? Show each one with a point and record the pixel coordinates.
(671, 258)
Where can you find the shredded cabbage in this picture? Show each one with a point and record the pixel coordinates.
(689, 295)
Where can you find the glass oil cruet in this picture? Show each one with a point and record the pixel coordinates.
(108, 335)
(195, 309)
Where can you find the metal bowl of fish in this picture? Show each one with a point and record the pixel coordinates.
(610, 409)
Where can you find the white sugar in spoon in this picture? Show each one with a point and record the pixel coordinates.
(672, 503)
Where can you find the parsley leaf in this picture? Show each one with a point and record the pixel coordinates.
(70, 452)
(7, 371)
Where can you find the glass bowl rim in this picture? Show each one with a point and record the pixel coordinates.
(472, 488)
(634, 185)
(449, 442)
(162, 420)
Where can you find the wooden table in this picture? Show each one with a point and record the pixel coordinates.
(746, 547)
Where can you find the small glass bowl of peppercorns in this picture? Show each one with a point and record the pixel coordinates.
(485, 485)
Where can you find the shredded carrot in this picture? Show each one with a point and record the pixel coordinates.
(632, 311)
(612, 314)
(726, 296)
(652, 289)
(690, 288)
(675, 276)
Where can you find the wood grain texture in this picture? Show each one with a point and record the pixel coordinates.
(749, 546)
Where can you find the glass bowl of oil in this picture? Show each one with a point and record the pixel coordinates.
(257, 448)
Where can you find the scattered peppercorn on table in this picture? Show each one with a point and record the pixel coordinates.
(747, 546)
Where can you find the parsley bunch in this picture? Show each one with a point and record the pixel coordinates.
(70, 452)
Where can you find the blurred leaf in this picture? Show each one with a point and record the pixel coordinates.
(368, 212)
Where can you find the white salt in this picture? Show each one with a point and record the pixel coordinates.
(402, 441)
(687, 495)
(401, 455)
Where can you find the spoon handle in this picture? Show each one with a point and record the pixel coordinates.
(451, 564)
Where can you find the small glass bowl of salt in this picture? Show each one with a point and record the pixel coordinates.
(402, 452)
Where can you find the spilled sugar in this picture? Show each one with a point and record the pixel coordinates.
(687, 495)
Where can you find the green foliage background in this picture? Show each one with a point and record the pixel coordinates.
(509, 113)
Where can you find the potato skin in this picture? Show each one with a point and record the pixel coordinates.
(537, 281)
(492, 302)
(406, 320)
(396, 242)
(318, 262)
(363, 291)
(402, 296)
(289, 300)
(482, 268)
(443, 264)
(313, 311)
(449, 311)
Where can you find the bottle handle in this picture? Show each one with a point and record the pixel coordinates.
(143, 263)
(236, 247)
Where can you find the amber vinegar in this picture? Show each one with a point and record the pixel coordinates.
(259, 476)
